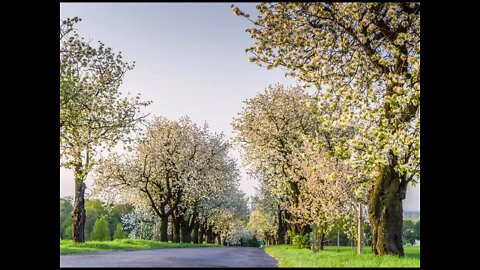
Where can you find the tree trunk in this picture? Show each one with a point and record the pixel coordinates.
(171, 232)
(208, 238)
(214, 237)
(209, 235)
(201, 234)
(79, 216)
(288, 239)
(186, 233)
(322, 240)
(176, 231)
(182, 231)
(281, 227)
(164, 230)
(385, 211)
(196, 228)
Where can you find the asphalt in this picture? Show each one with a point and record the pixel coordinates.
(173, 257)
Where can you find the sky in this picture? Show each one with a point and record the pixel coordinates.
(189, 60)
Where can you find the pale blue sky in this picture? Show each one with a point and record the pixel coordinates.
(190, 60)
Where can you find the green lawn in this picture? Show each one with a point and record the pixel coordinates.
(289, 256)
(69, 247)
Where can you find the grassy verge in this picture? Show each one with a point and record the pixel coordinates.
(69, 247)
(288, 256)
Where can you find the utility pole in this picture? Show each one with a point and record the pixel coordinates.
(359, 231)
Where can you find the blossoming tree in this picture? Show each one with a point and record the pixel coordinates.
(269, 130)
(364, 59)
(93, 113)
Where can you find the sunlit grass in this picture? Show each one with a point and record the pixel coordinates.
(70, 247)
(289, 256)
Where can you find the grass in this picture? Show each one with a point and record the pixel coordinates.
(70, 247)
(289, 256)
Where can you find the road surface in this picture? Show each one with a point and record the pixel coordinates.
(173, 257)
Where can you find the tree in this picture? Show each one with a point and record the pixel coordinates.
(408, 232)
(367, 229)
(157, 171)
(327, 197)
(219, 213)
(65, 215)
(93, 114)
(261, 226)
(100, 231)
(364, 60)
(268, 207)
(416, 230)
(178, 170)
(68, 229)
(119, 232)
(214, 175)
(118, 211)
(94, 209)
(269, 131)
(140, 223)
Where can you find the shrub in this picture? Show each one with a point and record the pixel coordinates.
(300, 241)
(67, 233)
(100, 231)
(119, 232)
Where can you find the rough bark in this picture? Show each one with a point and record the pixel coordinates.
(186, 232)
(385, 211)
(282, 228)
(322, 240)
(79, 215)
(164, 230)
(189, 226)
(196, 228)
(176, 231)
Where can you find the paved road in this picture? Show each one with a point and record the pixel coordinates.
(173, 257)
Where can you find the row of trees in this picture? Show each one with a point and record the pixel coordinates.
(302, 183)
(183, 174)
(178, 171)
(320, 157)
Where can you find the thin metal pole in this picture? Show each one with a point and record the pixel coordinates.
(359, 231)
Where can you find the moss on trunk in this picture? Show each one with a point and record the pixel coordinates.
(386, 212)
